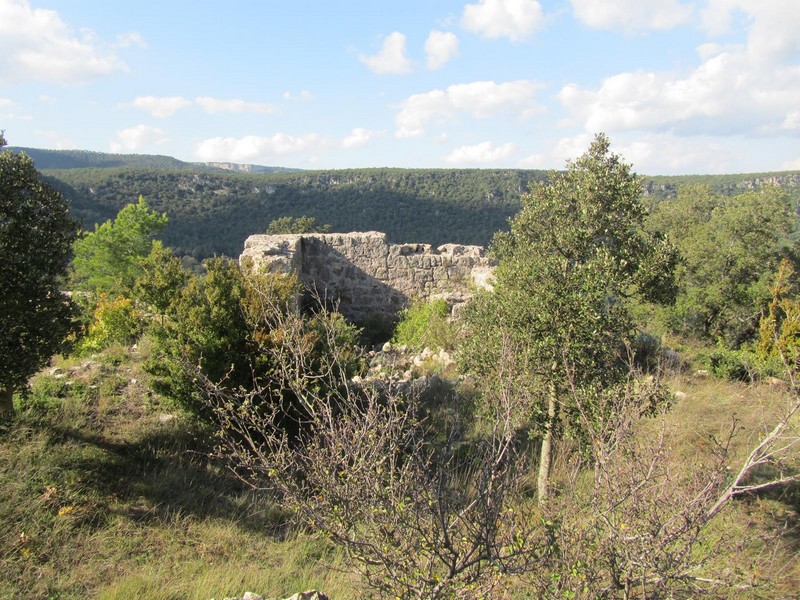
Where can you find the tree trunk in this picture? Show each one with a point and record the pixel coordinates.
(545, 456)
(6, 401)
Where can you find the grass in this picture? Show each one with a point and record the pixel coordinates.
(107, 492)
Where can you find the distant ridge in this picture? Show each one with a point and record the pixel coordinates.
(213, 208)
(86, 159)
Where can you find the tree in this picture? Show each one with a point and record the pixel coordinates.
(731, 247)
(576, 254)
(161, 280)
(110, 258)
(296, 225)
(36, 236)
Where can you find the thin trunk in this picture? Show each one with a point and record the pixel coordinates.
(6, 401)
(545, 456)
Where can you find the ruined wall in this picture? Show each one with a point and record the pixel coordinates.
(368, 277)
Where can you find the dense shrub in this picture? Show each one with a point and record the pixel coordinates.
(425, 323)
(115, 320)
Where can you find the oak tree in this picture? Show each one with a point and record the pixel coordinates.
(576, 254)
(36, 236)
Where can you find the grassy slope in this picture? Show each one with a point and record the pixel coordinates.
(106, 493)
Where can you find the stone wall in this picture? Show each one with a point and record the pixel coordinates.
(368, 277)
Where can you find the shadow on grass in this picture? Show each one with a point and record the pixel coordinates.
(164, 472)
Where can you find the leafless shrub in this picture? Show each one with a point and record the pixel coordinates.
(422, 513)
(425, 512)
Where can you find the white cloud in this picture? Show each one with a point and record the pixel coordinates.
(478, 99)
(253, 147)
(54, 139)
(483, 153)
(132, 38)
(36, 44)
(359, 137)
(392, 59)
(514, 19)
(134, 138)
(302, 95)
(6, 103)
(161, 106)
(745, 89)
(440, 47)
(631, 15)
(216, 105)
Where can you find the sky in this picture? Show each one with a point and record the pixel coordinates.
(679, 86)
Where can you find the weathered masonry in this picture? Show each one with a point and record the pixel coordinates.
(368, 277)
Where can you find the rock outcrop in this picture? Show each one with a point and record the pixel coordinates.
(367, 277)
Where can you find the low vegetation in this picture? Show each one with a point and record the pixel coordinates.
(202, 436)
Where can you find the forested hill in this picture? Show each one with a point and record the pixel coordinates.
(213, 213)
(212, 209)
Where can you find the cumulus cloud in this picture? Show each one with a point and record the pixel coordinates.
(514, 19)
(392, 59)
(253, 147)
(481, 154)
(359, 137)
(134, 138)
(217, 105)
(440, 47)
(36, 44)
(6, 104)
(478, 99)
(631, 15)
(744, 89)
(160, 106)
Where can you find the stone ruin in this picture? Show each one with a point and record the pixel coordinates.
(368, 278)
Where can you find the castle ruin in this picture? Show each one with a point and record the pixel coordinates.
(367, 277)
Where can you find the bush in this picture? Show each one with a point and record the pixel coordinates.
(115, 321)
(743, 365)
(425, 323)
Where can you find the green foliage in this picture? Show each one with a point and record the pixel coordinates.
(731, 247)
(222, 322)
(558, 320)
(779, 329)
(575, 254)
(161, 279)
(425, 323)
(296, 225)
(115, 320)
(109, 259)
(36, 236)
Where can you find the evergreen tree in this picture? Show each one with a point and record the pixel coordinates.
(36, 236)
(558, 319)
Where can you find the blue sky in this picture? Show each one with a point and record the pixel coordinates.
(680, 87)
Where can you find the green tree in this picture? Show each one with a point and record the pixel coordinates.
(731, 248)
(161, 280)
(296, 225)
(36, 236)
(110, 258)
(559, 316)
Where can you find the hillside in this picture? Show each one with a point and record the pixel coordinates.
(213, 208)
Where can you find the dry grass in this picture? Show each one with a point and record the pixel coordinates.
(105, 492)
